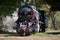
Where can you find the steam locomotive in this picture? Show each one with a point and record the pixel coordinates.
(29, 22)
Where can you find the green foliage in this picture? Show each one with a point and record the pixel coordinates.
(39, 3)
(55, 4)
(58, 19)
(8, 6)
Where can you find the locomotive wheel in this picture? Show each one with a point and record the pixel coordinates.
(34, 31)
(23, 33)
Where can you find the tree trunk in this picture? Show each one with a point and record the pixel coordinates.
(54, 20)
(1, 23)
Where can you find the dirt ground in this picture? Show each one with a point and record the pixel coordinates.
(16, 37)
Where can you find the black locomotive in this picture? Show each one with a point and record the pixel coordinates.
(27, 22)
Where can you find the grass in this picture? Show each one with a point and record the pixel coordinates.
(40, 34)
(49, 33)
(46, 35)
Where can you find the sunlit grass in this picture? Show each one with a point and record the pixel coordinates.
(48, 33)
(40, 34)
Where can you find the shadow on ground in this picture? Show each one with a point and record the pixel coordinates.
(53, 33)
(8, 33)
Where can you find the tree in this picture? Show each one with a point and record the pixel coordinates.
(55, 6)
(7, 7)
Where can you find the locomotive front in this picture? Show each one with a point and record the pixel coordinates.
(25, 15)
